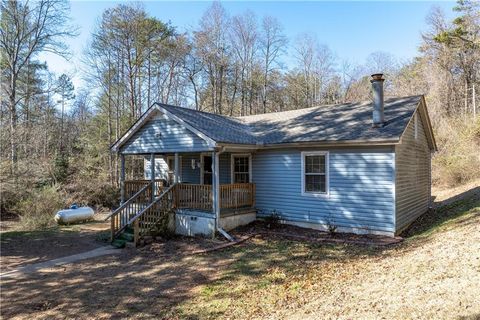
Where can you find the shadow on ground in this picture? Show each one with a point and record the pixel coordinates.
(152, 284)
(131, 284)
(444, 212)
(26, 247)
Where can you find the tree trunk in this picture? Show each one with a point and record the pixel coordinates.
(12, 105)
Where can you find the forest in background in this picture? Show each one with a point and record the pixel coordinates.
(54, 139)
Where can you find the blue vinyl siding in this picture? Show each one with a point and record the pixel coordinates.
(187, 174)
(161, 168)
(361, 193)
(173, 138)
(225, 168)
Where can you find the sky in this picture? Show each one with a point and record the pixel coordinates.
(352, 30)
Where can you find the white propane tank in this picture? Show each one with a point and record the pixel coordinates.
(74, 215)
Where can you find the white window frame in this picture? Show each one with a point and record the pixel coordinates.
(232, 165)
(327, 173)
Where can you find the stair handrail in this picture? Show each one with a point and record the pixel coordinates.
(126, 203)
(138, 215)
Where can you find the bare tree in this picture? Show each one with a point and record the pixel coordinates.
(273, 45)
(28, 28)
(316, 64)
(192, 68)
(305, 55)
(211, 43)
(325, 78)
(244, 44)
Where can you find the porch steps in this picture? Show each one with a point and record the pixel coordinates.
(126, 237)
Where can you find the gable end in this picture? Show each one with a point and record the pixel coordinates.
(147, 117)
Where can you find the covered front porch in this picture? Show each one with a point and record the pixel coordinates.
(196, 176)
(205, 185)
(202, 191)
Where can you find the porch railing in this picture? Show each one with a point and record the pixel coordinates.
(237, 195)
(199, 196)
(193, 196)
(155, 217)
(146, 212)
(121, 216)
(133, 186)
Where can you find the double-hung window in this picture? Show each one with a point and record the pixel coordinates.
(315, 172)
(241, 168)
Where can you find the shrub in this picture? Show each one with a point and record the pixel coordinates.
(94, 192)
(273, 219)
(457, 160)
(60, 168)
(37, 211)
(331, 227)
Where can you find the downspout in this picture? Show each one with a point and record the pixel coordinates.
(217, 198)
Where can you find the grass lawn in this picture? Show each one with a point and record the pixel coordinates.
(434, 273)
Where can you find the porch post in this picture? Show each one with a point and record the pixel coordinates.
(122, 179)
(216, 187)
(176, 167)
(152, 175)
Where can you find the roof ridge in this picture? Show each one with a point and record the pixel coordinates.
(362, 102)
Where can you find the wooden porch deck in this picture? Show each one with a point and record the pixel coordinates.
(199, 196)
(153, 202)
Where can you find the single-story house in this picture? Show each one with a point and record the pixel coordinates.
(356, 167)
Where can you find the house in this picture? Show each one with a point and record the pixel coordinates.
(357, 167)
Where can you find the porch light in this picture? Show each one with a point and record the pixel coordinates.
(194, 164)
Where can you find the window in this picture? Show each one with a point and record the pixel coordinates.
(241, 168)
(315, 172)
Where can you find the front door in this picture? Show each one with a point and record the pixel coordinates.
(207, 170)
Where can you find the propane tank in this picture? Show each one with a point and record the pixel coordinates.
(74, 215)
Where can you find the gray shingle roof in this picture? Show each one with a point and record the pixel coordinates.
(219, 128)
(328, 123)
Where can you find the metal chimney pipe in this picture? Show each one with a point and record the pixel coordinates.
(378, 104)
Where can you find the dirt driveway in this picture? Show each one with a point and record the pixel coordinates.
(35, 247)
(132, 283)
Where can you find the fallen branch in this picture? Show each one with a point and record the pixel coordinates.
(223, 246)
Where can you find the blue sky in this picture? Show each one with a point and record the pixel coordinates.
(352, 30)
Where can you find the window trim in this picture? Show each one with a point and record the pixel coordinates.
(327, 174)
(232, 165)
